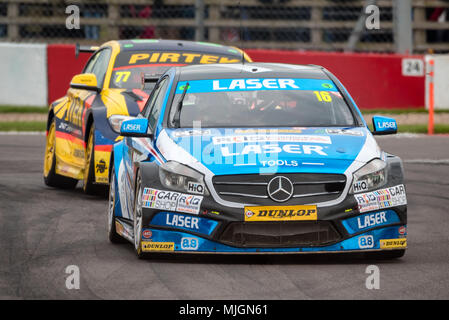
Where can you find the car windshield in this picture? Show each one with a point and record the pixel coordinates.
(271, 102)
(130, 65)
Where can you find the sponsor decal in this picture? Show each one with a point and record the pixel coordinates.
(280, 213)
(189, 243)
(370, 220)
(178, 58)
(193, 132)
(269, 131)
(348, 132)
(274, 148)
(178, 220)
(118, 228)
(157, 246)
(101, 166)
(280, 163)
(402, 230)
(194, 187)
(386, 125)
(189, 204)
(123, 230)
(360, 186)
(272, 138)
(185, 222)
(218, 85)
(382, 198)
(131, 127)
(171, 201)
(366, 242)
(146, 234)
(393, 243)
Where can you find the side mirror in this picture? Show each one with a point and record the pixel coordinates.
(135, 127)
(384, 125)
(85, 81)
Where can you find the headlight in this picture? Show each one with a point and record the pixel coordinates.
(116, 121)
(371, 176)
(176, 176)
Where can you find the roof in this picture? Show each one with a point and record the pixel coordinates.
(251, 70)
(176, 45)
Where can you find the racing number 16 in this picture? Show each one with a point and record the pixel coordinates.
(323, 96)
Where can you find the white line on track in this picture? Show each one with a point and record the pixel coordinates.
(427, 161)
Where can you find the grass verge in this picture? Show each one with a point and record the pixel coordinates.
(418, 128)
(23, 109)
(23, 126)
(422, 128)
(399, 111)
(41, 126)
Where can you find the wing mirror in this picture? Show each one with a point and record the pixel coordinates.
(384, 125)
(85, 81)
(135, 127)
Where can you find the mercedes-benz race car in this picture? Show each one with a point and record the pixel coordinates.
(255, 158)
(80, 125)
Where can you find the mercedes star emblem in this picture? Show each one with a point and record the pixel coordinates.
(280, 189)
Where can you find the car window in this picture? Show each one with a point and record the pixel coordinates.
(90, 63)
(157, 100)
(101, 65)
(262, 103)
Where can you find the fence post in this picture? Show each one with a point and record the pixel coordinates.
(402, 17)
(199, 20)
(214, 15)
(317, 33)
(359, 27)
(113, 17)
(13, 14)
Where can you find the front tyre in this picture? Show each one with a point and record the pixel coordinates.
(138, 217)
(51, 178)
(113, 236)
(89, 186)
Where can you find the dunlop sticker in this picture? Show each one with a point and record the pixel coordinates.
(157, 246)
(393, 243)
(280, 213)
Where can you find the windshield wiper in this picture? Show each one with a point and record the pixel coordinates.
(177, 117)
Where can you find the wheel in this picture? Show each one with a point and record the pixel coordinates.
(113, 236)
(137, 217)
(89, 185)
(385, 255)
(51, 178)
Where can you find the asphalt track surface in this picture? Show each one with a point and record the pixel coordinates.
(44, 230)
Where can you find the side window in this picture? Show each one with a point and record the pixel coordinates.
(98, 65)
(90, 63)
(155, 105)
(101, 65)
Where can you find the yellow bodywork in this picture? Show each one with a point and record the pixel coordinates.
(71, 148)
(71, 151)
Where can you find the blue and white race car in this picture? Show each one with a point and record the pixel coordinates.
(255, 158)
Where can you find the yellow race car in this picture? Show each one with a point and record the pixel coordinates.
(114, 85)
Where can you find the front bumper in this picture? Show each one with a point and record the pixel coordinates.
(177, 241)
(350, 225)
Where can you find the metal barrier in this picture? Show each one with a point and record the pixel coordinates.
(331, 25)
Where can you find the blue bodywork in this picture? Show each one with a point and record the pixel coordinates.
(231, 151)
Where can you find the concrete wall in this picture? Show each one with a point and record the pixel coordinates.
(39, 74)
(23, 70)
(375, 81)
